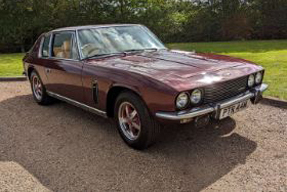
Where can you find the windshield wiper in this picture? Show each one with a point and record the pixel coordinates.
(105, 55)
(140, 50)
(124, 53)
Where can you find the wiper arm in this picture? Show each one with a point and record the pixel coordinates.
(105, 55)
(133, 50)
(120, 53)
(140, 50)
(151, 49)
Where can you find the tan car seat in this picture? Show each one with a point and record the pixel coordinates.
(65, 50)
(56, 51)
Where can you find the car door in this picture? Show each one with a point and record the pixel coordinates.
(41, 59)
(64, 69)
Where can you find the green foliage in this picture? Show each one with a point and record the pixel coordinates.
(22, 21)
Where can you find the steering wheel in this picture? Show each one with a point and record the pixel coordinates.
(90, 50)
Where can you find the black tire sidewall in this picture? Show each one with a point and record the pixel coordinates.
(34, 73)
(142, 141)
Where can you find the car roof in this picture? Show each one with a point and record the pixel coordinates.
(90, 26)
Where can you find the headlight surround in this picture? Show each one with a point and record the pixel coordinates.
(251, 81)
(196, 96)
(182, 100)
(258, 77)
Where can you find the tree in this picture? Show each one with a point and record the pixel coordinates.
(22, 21)
(271, 19)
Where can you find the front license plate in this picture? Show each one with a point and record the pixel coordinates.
(225, 112)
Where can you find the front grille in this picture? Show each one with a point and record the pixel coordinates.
(221, 91)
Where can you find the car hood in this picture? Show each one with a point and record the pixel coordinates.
(179, 69)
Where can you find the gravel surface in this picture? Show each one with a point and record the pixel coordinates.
(63, 148)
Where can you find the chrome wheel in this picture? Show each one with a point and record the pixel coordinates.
(37, 87)
(129, 121)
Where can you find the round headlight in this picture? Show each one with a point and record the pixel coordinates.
(182, 100)
(258, 77)
(251, 80)
(196, 96)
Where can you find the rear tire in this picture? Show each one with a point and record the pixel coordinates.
(38, 90)
(136, 125)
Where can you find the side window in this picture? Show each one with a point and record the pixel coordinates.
(64, 46)
(45, 46)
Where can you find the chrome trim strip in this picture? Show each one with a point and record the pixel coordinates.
(93, 27)
(78, 104)
(198, 111)
(185, 114)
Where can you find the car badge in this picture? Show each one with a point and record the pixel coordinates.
(209, 78)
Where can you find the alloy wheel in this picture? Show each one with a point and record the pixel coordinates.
(37, 87)
(129, 121)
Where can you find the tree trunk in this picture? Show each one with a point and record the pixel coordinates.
(122, 9)
(22, 48)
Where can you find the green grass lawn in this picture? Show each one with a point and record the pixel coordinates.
(11, 64)
(272, 55)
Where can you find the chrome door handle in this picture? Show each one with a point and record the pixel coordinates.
(48, 70)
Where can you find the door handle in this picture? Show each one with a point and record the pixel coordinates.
(48, 70)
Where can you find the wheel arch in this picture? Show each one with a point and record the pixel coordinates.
(30, 70)
(112, 95)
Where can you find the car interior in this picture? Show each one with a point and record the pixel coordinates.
(63, 46)
(63, 51)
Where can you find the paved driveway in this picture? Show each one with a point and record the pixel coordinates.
(63, 148)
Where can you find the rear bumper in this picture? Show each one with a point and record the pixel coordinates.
(255, 95)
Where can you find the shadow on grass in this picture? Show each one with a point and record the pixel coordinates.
(68, 149)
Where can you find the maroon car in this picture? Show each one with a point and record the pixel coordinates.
(125, 72)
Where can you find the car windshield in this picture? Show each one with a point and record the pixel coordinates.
(117, 39)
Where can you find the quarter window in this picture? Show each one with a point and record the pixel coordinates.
(64, 46)
(45, 47)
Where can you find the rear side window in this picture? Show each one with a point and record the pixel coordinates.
(45, 47)
(64, 46)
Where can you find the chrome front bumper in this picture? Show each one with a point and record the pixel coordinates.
(255, 94)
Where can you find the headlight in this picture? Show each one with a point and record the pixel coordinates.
(196, 96)
(251, 80)
(182, 100)
(258, 77)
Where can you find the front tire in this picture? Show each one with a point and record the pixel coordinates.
(38, 90)
(136, 125)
